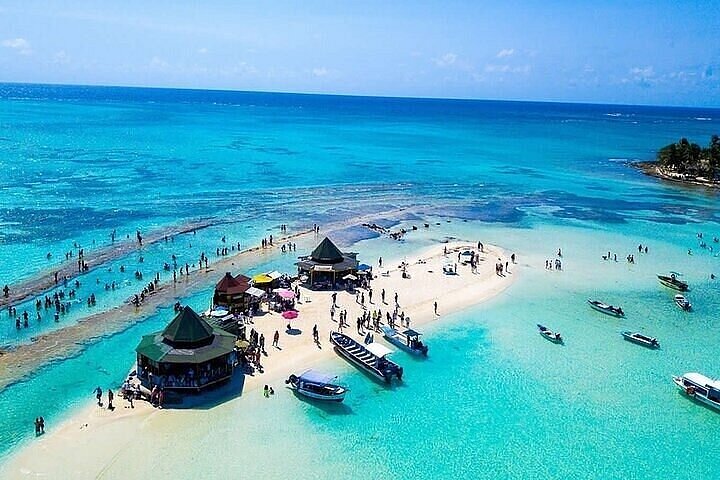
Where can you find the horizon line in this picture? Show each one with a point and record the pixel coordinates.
(360, 95)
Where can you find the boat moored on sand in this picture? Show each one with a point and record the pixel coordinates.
(606, 309)
(316, 385)
(554, 337)
(683, 302)
(370, 357)
(640, 339)
(701, 388)
(673, 282)
(408, 340)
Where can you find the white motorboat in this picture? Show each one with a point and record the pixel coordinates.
(317, 385)
(701, 388)
(408, 340)
(683, 302)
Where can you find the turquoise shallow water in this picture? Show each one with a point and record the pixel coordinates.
(494, 400)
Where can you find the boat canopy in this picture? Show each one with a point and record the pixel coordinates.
(701, 379)
(255, 292)
(313, 376)
(378, 349)
(411, 333)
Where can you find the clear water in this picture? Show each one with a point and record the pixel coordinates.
(494, 400)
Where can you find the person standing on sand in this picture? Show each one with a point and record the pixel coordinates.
(276, 339)
(380, 262)
(111, 395)
(435, 305)
(98, 394)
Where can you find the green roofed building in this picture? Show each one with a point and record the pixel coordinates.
(327, 265)
(189, 354)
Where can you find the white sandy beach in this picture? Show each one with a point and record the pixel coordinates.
(79, 448)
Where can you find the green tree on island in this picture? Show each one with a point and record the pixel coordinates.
(690, 159)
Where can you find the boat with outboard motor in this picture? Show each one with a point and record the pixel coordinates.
(683, 302)
(606, 309)
(640, 339)
(554, 337)
(699, 387)
(673, 282)
(408, 340)
(316, 385)
(370, 357)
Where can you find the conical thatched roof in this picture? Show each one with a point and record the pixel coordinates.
(327, 252)
(187, 328)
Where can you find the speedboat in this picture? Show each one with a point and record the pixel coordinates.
(554, 337)
(683, 302)
(606, 309)
(408, 340)
(673, 282)
(640, 339)
(370, 357)
(700, 388)
(316, 385)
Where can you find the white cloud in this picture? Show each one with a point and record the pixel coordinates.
(61, 58)
(446, 60)
(20, 45)
(159, 63)
(643, 76)
(643, 71)
(320, 71)
(505, 52)
(493, 68)
(202, 51)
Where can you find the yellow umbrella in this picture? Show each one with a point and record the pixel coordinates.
(262, 278)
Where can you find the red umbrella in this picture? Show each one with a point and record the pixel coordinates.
(290, 314)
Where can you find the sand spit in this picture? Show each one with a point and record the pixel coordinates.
(55, 453)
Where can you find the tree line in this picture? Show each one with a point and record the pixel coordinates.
(692, 159)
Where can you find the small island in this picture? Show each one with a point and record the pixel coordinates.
(687, 162)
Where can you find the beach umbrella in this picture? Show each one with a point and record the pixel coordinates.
(364, 266)
(242, 344)
(290, 314)
(262, 278)
(284, 293)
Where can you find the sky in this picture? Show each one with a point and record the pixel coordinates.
(633, 52)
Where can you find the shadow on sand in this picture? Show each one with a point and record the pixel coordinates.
(211, 398)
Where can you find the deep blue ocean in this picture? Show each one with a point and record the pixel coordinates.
(495, 401)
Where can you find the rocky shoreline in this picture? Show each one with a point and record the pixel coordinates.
(653, 169)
